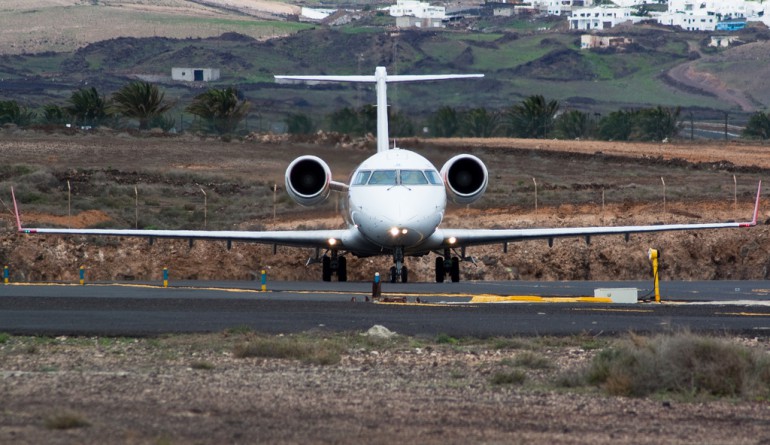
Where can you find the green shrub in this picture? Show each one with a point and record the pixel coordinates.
(683, 364)
(515, 377)
(311, 351)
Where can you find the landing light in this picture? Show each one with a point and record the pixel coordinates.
(394, 231)
(452, 240)
(332, 241)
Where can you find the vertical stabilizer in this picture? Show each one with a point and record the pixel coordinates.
(381, 80)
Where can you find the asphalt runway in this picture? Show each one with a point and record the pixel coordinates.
(146, 309)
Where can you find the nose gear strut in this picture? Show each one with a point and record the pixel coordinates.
(399, 272)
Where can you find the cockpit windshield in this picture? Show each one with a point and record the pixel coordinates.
(383, 177)
(396, 177)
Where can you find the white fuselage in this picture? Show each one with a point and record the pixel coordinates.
(396, 199)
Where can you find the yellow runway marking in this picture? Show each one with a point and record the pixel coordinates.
(612, 310)
(744, 314)
(536, 299)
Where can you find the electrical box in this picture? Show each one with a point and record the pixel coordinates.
(618, 295)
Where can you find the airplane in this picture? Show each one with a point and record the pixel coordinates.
(396, 201)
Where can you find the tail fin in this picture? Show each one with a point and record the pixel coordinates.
(381, 78)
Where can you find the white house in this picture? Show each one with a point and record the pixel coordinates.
(559, 7)
(704, 15)
(413, 8)
(601, 17)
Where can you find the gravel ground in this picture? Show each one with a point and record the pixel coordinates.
(193, 389)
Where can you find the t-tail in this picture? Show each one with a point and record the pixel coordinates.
(381, 78)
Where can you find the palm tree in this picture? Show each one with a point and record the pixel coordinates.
(221, 110)
(140, 100)
(532, 118)
(345, 121)
(88, 107)
(444, 122)
(574, 124)
(656, 124)
(478, 122)
(54, 115)
(758, 126)
(12, 113)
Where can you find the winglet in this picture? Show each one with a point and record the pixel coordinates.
(16, 211)
(756, 208)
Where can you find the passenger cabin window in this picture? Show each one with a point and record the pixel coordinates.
(362, 177)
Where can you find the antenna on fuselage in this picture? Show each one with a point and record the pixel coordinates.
(381, 79)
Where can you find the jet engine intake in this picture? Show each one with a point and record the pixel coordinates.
(466, 178)
(308, 180)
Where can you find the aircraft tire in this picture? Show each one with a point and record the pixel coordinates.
(393, 274)
(404, 274)
(440, 271)
(326, 270)
(342, 269)
(455, 272)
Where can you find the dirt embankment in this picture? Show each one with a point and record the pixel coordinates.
(721, 254)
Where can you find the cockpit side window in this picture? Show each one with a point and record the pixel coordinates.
(413, 177)
(362, 177)
(383, 177)
(433, 177)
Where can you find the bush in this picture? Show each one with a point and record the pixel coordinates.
(683, 364)
(311, 351)
(515, 377)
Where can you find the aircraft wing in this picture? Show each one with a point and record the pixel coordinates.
(295, 238)
(474, 237)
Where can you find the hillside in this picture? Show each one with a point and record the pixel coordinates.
(53, 47)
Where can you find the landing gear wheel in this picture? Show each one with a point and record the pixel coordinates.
(393, 274)
(440, 271)
(326, 270)
(455, 272)
(404, 274)
(342, 269)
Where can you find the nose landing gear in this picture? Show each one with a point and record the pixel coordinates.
(399, 272)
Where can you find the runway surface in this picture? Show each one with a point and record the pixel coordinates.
(139, 309)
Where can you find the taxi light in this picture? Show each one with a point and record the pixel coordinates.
(394, 231)
(452, 240)
(404, 231)
(332, 241)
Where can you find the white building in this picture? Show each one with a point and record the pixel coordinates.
(601, 17)
(560, 7)
(195, 74)
(703, 15)
(413, 8)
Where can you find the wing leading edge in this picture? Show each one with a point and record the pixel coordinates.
(342, 239)
(474, 237)
(295, 238)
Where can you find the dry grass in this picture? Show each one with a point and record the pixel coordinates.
(681, 364)
(66, 420)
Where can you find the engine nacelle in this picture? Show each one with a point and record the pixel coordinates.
(308, 180)
(466, 178)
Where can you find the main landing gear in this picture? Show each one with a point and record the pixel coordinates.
(447, 264)
(336, 264)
